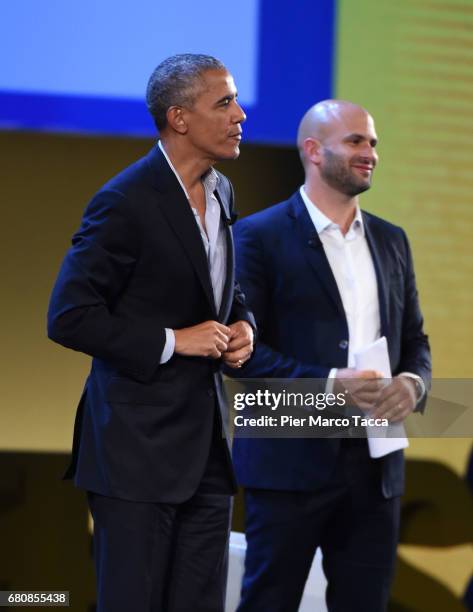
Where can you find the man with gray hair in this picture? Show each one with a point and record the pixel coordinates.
(148, 291)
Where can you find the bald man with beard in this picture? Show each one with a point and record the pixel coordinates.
(325, 279)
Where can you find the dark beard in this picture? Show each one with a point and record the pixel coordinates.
(337, 175)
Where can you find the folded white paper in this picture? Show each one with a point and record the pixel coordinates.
(381, 440)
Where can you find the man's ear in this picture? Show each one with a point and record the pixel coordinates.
(312, 150)
(176, 119)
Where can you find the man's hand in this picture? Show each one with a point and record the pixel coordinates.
(241, 345)
(209, 339)
(362, 387)
(397, 400)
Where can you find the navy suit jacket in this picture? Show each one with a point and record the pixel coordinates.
(137, 265)
(303, 333)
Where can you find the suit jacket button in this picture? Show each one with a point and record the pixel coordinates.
(343, 344)
(210, 392)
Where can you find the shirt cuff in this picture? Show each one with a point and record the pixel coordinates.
(332, 375)
(168, 350)
(420, 387)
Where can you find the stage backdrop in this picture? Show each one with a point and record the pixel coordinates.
(410, 63)
(85, 69)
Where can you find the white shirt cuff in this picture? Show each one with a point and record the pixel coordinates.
(168, 350)
(332, 375)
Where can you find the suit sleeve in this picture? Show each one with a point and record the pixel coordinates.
(415, 349)
(82, 311)
(252, 274)
(240, 311)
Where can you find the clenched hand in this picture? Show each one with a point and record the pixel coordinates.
(240, 346)
(209, 339)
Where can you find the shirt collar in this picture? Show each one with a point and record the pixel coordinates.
(209, 179)
(322, 222)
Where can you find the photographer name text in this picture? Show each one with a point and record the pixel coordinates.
(309, 421)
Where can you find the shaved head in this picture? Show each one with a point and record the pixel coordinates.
(321, 119)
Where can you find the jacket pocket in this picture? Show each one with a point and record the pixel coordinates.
(126, 391)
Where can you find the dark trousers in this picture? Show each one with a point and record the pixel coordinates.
(157, 557)
(355, 526)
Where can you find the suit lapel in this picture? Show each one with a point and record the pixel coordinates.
(176, 209)
(225, 217)
(314, 251)
(377, 248)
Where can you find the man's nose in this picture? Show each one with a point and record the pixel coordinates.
(240, 115)
(370, 154)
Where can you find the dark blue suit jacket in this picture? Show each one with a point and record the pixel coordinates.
(137, 265)
(286, 277)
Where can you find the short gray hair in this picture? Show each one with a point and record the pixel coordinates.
(175, 83)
